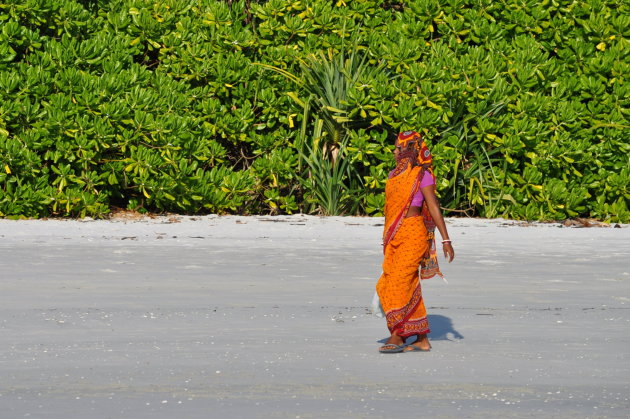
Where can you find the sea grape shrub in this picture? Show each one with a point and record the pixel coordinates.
(168, 106)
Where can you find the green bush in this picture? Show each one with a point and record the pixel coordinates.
(285, 106)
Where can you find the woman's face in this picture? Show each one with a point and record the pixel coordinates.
(396, 149)
(408, 153)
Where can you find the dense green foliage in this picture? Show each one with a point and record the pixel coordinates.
(282, 106)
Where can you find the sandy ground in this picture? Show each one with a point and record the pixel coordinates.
(268, 317)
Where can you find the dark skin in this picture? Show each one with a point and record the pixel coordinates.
(422, 341)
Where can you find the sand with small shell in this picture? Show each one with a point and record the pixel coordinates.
(269, 317)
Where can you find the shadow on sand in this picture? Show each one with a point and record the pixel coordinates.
(441, 329)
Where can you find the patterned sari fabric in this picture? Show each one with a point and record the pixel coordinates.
(408, 244)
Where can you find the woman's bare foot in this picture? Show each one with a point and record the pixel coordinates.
(394, 339)
(393, 345)
(421, 343)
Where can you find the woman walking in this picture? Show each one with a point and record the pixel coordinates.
(412, 212)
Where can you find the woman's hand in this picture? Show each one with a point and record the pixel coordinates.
(436, 213)
(449, 253)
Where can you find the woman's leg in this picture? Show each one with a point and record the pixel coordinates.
(395, 339)
(422, 343)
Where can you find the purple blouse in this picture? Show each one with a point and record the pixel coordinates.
(427, 180)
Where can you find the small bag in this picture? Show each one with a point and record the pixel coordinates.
(377, 309)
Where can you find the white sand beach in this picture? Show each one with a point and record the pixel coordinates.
(268, 317)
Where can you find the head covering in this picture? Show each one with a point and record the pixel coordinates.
(413, 152)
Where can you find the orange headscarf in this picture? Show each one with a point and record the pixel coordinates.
(414, 151)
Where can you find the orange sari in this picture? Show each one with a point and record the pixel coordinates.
(408, 244)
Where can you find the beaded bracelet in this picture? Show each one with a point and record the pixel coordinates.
(446, 241)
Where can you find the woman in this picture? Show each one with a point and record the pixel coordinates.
(412, 212)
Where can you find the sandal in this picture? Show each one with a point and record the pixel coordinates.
(391, 348)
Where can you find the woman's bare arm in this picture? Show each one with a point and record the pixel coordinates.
(436, 213)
